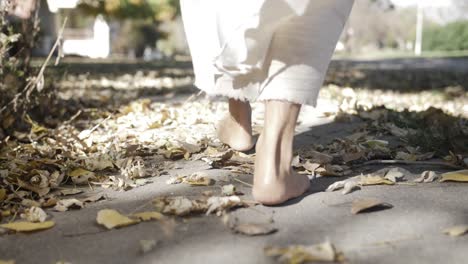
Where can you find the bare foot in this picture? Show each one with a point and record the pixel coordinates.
(274, 180)
(235, 129)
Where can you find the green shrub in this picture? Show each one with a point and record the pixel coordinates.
(451, 37)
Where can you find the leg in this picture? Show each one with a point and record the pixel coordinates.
(274, 180)
(235, 129)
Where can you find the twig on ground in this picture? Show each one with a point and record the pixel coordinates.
(243, 182)
(406, 162)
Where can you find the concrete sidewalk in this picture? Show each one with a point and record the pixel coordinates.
(410, 232)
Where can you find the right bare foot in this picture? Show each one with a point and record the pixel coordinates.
(235, 129)
(274, 179)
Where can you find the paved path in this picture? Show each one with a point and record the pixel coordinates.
(410, 232)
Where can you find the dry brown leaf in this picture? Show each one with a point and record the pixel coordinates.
(22, 226)
(65, 204)
(362, 205)
(455, 231)
(3, 195)
(198, 179)
(427, 176)
(254, 229)
(396, 174)
(219, 204)
(34, 214)
(457, 176)
(33, 188)
(311, 167)
(148, 216)
(179, 205)
(66, 192)
(352, 156)
(298, 254)
(318, 157)
(113, 219)
(97, 163)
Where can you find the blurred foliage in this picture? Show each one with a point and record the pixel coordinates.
(159, 10)
(450, 37)
(22, 94)
(136, 34)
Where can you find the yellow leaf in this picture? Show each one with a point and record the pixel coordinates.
(80, 176)
(147, 216)
(374, 180)
(111, 219)
(23, 226)
(458, 176)
(456, 230)
(7, 262)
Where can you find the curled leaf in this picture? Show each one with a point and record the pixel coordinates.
(457, 176)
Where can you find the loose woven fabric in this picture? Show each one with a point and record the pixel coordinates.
(236, 45)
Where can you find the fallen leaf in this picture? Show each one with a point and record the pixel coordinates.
(456, 230)
(97, 163)
(228, 190)
(179, 205)
(362, 205)
(65, 204)
(148, 216)
(23, 226)
(3, 195)
(311, 167)
(198, 179)
(349, 187)
(147, 245)
(427, 176)
(298, 254)
(374, 180)
(254, 229)
(318, 157)
(66, 192)
(396, 174)
(81, 176)
(113, 219)
(218, 204)
(93, 198)
(34, 214)
(457, 176)
(7, 262)
(33, 188)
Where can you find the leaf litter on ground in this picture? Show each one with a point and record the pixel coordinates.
(299, 254)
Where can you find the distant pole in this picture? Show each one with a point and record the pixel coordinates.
(419, 30)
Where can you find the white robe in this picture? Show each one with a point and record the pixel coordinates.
(232, 39)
